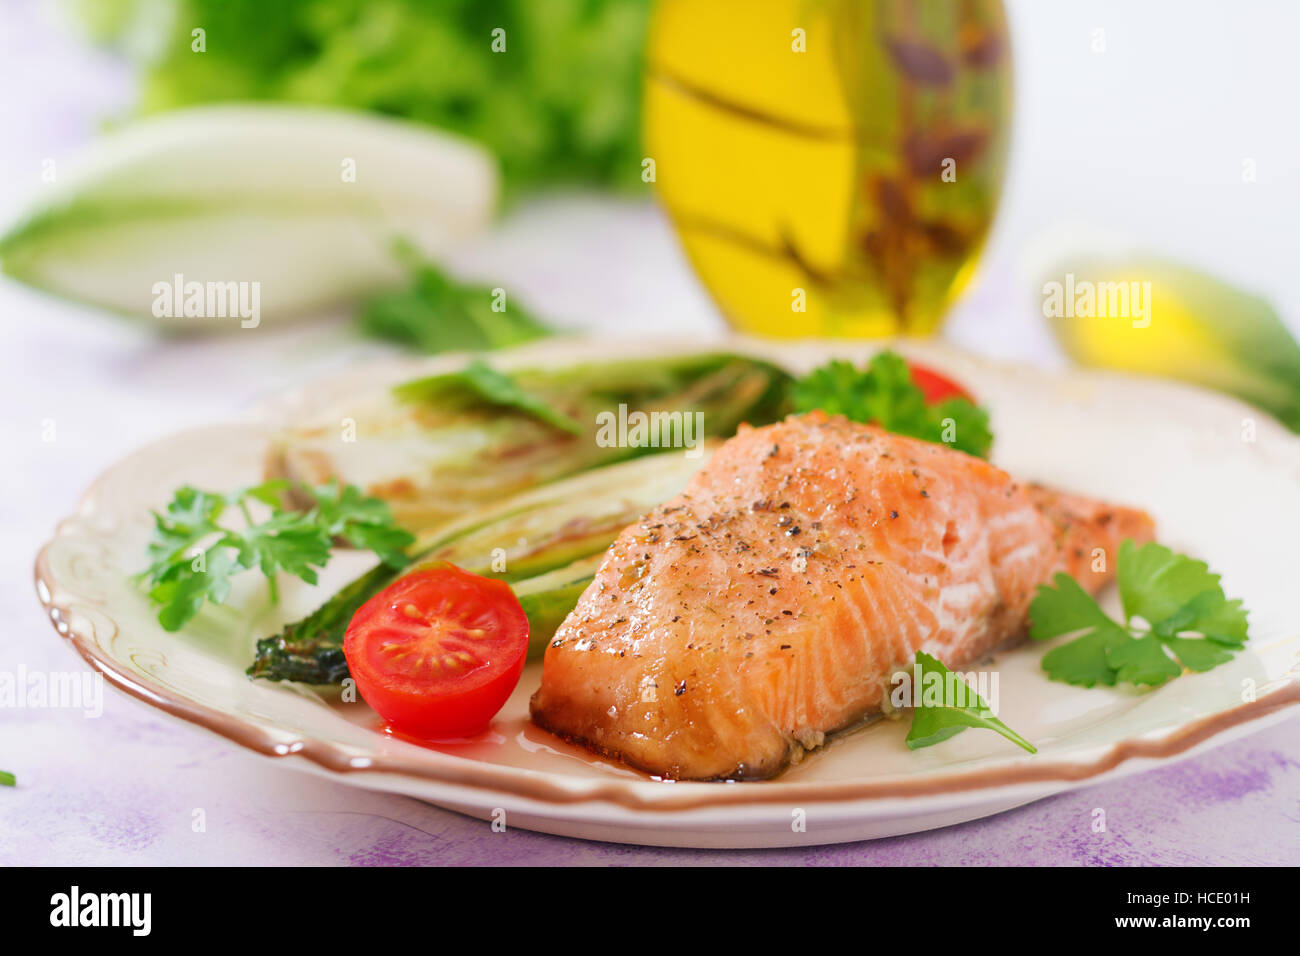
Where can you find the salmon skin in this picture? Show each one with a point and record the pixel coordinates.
(735, 626)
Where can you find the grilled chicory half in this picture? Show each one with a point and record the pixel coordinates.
(520, 474)
(440, 446)
(546, 542)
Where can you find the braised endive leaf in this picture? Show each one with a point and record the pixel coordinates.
(443, 445)
(484, 384)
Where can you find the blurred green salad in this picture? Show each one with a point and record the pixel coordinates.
(560, 104)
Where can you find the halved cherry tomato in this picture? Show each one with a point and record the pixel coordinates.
(936, 387)
(438, 653)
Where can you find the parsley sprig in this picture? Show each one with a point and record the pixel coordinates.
(885, 393)
(438, 313)
(1175, 616)
(480, 384)
(195, 551)
(944, 705)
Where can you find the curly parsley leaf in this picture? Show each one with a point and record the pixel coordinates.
(364, 523)
(191, 516)
(194, 554)
(182, 589)
(1175, 616)
(437, 313)
(944, 705)
(288, 541)
(885, 394)
(963, 425)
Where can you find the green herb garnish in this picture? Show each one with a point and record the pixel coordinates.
(478, 384)
(884, 394)
(944, 705)
(7, 779)
(1186, 621)
(437, 313)
(194, 554)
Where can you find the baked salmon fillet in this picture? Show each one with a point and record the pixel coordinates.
(765, 607)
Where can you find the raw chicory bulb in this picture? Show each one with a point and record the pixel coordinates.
(298, 207)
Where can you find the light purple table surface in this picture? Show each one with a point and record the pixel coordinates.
(123, 788)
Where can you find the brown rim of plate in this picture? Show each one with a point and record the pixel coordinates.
(488, 777)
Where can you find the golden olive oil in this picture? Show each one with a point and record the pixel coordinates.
(832, 166)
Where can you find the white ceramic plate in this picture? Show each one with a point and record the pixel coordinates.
(1181, 453)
